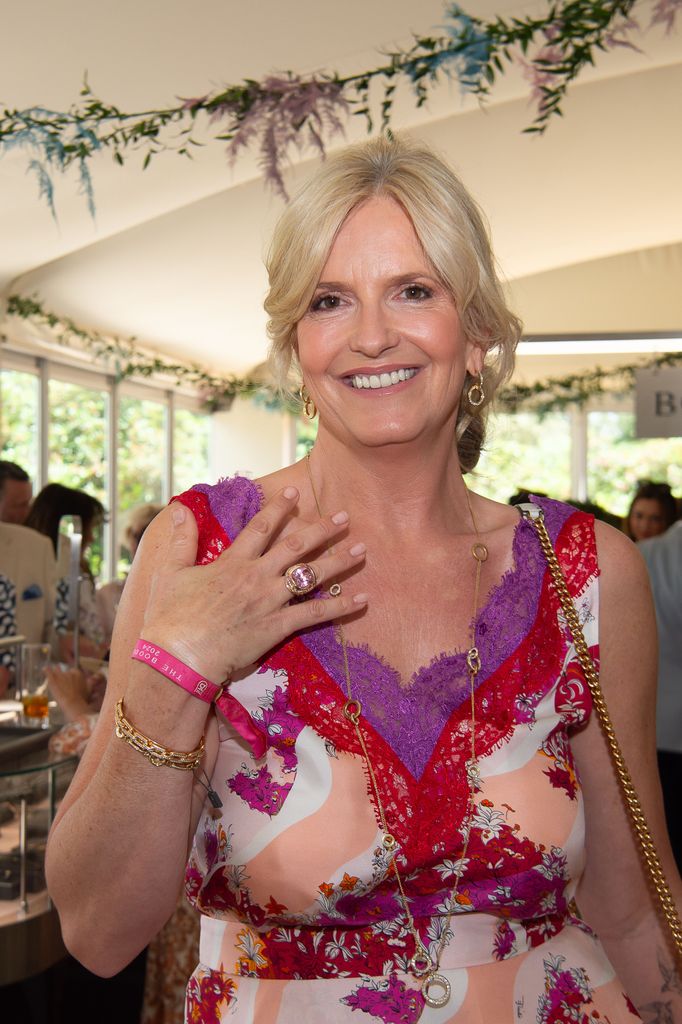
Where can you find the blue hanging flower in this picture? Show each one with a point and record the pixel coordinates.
(53, 147)
(473, 47)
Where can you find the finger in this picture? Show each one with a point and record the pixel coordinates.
(253, 540)
(182, 545)
(327, 569)
(303, 614)
(299, 543)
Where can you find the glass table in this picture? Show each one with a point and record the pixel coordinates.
(32, 780)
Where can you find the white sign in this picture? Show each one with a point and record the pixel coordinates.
(658, 402)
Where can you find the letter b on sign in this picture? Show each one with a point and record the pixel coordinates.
(658, 402)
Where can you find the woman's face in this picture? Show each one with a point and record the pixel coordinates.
(381, 348)
(646, 519)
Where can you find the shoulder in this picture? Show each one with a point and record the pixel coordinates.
(219, 512)
(559, 515)
(620, 561)
(22, 538)
(232, 502)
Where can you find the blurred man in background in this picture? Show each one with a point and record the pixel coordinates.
(16, 492)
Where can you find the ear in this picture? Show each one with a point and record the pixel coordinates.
(475, 359)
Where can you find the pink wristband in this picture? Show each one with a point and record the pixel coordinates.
(163, 662)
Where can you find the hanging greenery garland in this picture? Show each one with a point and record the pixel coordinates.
(289, 111)
(126, 360)
(556, 393)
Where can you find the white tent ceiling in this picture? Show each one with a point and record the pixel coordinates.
(174, 256)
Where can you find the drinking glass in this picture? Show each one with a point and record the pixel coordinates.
(34, 697)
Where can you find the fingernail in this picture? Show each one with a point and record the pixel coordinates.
(360, 599)
(290, 492)
(358, 549)
(178, 513)
(339, 518)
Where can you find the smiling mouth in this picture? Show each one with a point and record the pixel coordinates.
(381, 380)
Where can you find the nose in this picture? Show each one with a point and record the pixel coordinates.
(373, 333)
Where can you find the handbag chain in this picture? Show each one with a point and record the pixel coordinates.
(534, 515)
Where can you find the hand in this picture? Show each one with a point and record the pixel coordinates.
(223, 617)
(70, 689)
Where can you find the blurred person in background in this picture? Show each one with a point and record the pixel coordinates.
(109, 594)
(53, 503)
(652, 511)
(16, 492)
(28, 579)
(663, 557)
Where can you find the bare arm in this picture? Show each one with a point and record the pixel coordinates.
(118, 847)
(614, 893)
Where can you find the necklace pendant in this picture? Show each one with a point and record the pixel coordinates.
(436, 990)
(473, 773)
(421, 963)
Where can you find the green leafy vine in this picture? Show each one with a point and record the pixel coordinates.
(285, 111)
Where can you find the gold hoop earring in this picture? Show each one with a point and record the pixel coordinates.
(309, 406)
(476, 394)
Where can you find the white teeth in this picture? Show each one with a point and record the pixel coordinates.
(381, 380)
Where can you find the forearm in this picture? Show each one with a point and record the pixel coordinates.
(649, 970)
(117, 853)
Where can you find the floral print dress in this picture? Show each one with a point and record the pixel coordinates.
(301, 918)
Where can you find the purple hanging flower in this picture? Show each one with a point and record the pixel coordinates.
(283, 111)
(617, 36)
(665, 12)
(537, 72)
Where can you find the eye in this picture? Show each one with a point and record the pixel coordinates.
(416, 292)
(327, 301)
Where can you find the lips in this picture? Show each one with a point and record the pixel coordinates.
(386, 379)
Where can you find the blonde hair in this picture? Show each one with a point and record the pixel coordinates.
(453, 235)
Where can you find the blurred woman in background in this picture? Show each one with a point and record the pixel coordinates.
(653, 511)
(51, 505)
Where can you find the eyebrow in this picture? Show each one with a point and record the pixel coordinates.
(339, 286)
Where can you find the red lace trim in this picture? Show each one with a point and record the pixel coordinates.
(212, 538)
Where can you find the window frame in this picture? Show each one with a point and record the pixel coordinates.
(48, 367)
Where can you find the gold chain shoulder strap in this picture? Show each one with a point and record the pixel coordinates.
(534, 515)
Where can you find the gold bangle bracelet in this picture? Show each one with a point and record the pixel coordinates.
(156, 753)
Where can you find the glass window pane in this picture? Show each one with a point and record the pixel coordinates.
(525, 452)
(77, 432)
(190, 448)
(141, 458)
(19, 401)
(617, 460)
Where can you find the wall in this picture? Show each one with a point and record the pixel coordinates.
(249, 439)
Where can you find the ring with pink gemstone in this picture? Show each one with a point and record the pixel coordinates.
(300, 579)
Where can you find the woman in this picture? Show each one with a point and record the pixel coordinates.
(370, 835)
(50, 506)
(653, 510)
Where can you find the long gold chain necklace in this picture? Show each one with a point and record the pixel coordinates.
(423, 965)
